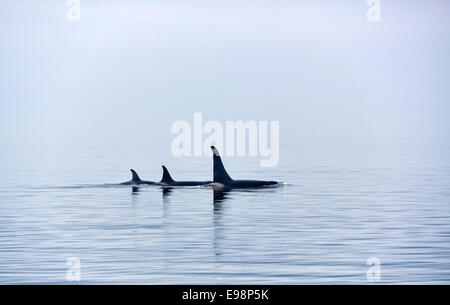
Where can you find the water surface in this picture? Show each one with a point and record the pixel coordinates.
(340, 206)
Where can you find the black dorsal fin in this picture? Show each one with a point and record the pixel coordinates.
(166, 176)
(220, 174)
(135, 178)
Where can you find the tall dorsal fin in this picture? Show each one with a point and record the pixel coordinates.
(220, 174)
(135, 178)
(166, 176)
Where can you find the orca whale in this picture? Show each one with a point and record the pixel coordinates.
(167, 180)
(223, 180)
(135, 180)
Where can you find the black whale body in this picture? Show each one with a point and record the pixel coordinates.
(222, 179)
(167, 180)
(135, 180)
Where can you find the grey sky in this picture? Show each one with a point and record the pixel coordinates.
(129, 69)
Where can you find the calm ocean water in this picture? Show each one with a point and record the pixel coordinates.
(340, 206)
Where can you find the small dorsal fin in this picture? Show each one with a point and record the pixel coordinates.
(166, 176)
(135, 178)
(220, 174)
